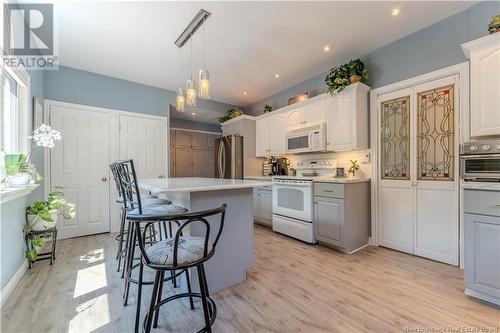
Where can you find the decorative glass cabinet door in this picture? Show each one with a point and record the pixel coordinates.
(435, 134)
(395, 138)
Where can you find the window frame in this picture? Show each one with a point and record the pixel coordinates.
(22, 78)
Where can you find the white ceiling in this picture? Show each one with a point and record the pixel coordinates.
(247, 42)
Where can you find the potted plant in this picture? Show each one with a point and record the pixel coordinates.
(343, 75)
(19, 168)
(267, 108)
(233, 113)
(353, 168)
(42, 215)
(357, 71)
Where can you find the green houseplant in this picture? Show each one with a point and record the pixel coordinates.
(267, 108)
(233, 113)
(353, 168)
(43, 215)
(343, 75)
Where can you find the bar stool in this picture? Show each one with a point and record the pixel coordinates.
(133, 204)
(178, 253)
(121, 251)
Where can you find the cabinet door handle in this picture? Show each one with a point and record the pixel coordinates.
(329, 191)
(497, 205)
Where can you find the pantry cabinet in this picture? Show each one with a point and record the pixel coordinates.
(484, 55)
(347, 119)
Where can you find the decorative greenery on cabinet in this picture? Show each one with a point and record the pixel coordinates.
(343, 75)
(233, 113)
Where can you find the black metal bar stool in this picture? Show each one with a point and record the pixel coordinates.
(179, 253)
(121, 251)
(133, 204)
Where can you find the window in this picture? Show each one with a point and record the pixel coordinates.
(9, 115)
(14, 111)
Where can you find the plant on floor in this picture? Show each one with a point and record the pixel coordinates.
(343, 75)
(42, 215)
(267, 108)
(233, 113)
(354, 167)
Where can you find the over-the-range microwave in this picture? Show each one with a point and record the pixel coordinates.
(306, 139)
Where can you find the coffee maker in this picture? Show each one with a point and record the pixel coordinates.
(279, 166)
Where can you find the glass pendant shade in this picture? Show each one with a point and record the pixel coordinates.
(190, 93)
(180, 100)
(204, 84)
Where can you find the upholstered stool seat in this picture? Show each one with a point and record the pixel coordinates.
(190, 250)
(157, 210)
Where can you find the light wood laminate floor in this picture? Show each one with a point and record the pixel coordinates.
(292, 287)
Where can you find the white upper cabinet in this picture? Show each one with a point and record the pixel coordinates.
(347, 119)
(277, 134)
(262, 139)
(484, 55)
(315, 111)
(295, 118)
(270, 135)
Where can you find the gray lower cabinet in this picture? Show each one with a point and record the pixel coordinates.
(482, 245)
(263, 205)
(342, 215)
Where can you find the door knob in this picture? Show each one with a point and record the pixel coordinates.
(104, 179)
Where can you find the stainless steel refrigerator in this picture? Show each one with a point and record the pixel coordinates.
(228, 159)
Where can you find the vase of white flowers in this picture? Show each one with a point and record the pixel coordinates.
(20, 170)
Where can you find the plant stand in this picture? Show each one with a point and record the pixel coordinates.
(52, 232)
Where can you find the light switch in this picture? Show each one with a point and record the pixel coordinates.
(365, 158)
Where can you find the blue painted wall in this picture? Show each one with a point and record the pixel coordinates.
(12, 241)
(429, 49)
(194, 125)
(82, 87)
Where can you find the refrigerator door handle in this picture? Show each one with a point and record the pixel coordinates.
(219, 162)
(223, 174)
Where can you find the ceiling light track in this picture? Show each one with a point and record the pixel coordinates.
(194, 25)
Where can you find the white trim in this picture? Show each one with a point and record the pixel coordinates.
(196, 131)
(13, 282)
(480, 43)
(114, 142)
(243, 116)
(13, 193)
(462, 70)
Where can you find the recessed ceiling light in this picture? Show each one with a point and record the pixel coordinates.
(245, 93)
(277, 75)
(326, 48)
(193, 113)
(395, 11)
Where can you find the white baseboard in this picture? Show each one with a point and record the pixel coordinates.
(14, 280)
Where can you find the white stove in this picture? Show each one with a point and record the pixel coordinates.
(293, 199)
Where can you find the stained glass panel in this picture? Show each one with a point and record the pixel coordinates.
(435, 134)
(395, 138)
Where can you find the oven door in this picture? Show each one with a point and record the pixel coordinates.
(294, 201)
(480, 166)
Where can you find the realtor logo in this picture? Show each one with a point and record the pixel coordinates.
(29, 35)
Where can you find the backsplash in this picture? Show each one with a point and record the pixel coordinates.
(342, 159)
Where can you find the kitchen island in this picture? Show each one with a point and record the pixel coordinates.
(234, 252)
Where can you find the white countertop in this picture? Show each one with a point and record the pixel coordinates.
(266, 178)
(195, 184)
(318, 179)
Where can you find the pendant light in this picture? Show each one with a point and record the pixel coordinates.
(180, 100)
(190, 85)
(203, 76)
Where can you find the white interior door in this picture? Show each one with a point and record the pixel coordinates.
(80, 164)
(143, 139)
(396, 204)
(436, 155)
(418, 155)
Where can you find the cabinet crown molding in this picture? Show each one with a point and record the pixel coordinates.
(480, 43)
